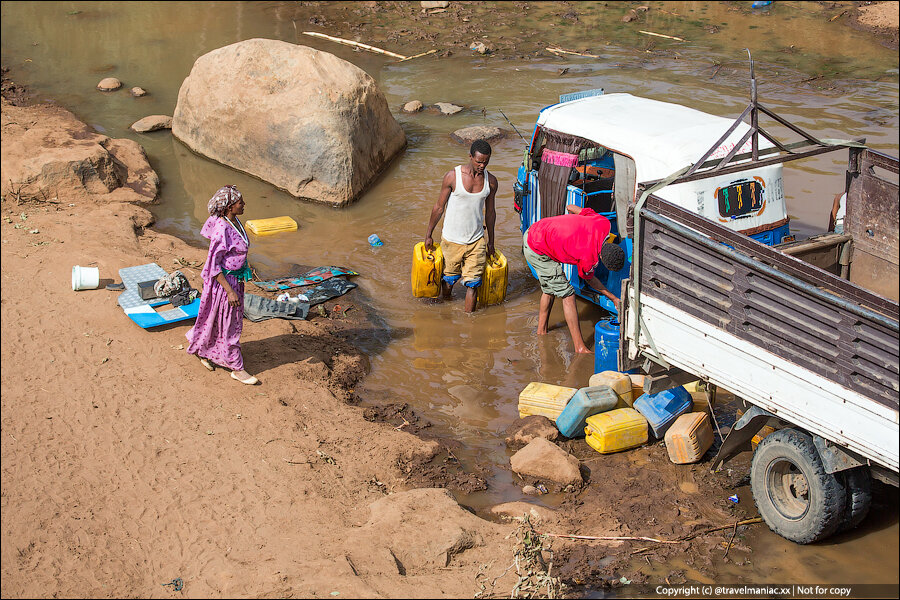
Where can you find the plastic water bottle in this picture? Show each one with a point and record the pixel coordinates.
(374, 240)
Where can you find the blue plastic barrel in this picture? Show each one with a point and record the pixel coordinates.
(606, 345)
(663, 408)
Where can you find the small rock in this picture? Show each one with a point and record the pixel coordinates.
(413, 106)
(515, 511)
(545, 460)
(447, 108)
(467, 135)
(137, 92)
(523, 430)
(530, 490)
(109, 84)
(436, 4)
(152, 123)
(480, 48)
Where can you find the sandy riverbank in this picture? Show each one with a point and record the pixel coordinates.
(127, 465)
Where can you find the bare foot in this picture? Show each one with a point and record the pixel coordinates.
(584, 350)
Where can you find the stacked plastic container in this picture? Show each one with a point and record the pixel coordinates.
(619, 382)
(585, 403)
(544, 399)
(689, 437)
(616, 430)
(663, 408)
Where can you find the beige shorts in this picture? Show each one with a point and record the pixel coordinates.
(466, 260)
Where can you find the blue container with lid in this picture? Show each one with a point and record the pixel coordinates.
(585, 403)
(663, 408)
(606, 345)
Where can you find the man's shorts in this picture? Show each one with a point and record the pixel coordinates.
(550, 273)
(466, 260)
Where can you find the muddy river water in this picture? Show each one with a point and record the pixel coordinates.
(463, 372)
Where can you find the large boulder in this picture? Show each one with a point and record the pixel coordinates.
(305, 121)
(49, 155)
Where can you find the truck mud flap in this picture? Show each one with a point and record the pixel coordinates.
(738, 439)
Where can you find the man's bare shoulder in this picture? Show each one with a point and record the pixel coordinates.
(450, 177)
(492, 181)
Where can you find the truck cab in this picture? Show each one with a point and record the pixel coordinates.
(596, 149)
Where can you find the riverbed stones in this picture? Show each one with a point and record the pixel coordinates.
(138, 92)
(435, 4)
(152, 123)
(516, 511)
(304, 120)
(447, 108)
(547, 461)
(109, 84)
(48, 155)
(467, 135)
(413, 106)
(525, 429)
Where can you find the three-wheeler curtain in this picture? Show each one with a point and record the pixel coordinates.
(558, 157)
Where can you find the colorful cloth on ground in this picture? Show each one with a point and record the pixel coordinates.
(222, 199)
(317, 275)
(171, 284)
(216, 334)
(571, 239)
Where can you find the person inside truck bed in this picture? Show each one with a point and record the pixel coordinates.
(577, 238)
(838, 210)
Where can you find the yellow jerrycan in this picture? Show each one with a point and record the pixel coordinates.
(495, 280)
(427, 269)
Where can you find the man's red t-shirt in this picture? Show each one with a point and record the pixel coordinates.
(571, 239)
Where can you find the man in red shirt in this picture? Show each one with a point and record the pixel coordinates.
(576, 239)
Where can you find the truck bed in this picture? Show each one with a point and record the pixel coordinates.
(803, 343)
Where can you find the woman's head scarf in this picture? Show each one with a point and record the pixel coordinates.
(221, 200)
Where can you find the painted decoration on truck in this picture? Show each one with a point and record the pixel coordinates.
(740, 199)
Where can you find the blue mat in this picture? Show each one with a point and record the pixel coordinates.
(143, 311)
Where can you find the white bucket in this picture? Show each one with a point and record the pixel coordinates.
(85, 278)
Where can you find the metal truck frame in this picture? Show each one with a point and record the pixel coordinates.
(792, 330)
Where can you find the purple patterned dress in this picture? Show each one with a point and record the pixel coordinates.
(216, 334)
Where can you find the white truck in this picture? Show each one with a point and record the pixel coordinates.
(806, 333)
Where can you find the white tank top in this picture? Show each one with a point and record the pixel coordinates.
(464, 219)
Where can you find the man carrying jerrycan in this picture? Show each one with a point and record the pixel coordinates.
(467, 195)
(577, 238)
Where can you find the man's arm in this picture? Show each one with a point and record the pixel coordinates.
(595, 283)
(490, 214)
(438, 211)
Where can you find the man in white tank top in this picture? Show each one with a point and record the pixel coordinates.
(467, 196)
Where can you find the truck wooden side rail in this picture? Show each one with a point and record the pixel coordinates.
(813, 353)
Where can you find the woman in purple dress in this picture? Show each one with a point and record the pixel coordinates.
(216, 335)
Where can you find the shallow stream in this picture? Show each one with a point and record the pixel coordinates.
(462, 372)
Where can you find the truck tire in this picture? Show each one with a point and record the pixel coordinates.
(795, 496)
(858, 483)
